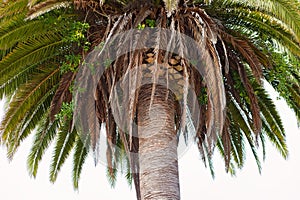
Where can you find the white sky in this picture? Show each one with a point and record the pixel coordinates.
(280, 179)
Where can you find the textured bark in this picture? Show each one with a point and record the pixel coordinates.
(157, 146)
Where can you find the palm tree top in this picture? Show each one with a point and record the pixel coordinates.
(43, 44)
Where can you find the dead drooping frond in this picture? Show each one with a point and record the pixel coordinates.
(36, 10)
(62, 94)
(171, 5)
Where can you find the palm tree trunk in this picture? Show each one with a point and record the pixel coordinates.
(157, 146)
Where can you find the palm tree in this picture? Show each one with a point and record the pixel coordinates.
(241, 43)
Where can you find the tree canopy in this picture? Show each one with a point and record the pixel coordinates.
(43, 45)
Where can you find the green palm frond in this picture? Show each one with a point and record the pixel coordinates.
(42, 139)
(21, 30)
(237, 146)
(9, 87)
(20, 63)
(65, 141)
(284, 77)
(111, 176)
(12, 8)
(28, 123)
(294, 102)
(263, 144)
(245, 20)
(39, 42)
(80, 154)
(27, 96)
(272, 127)
(254, 150)
(271, 122)
(244, 127)
(30, 53)
(8, 26)
(22, 75)
(284, 10)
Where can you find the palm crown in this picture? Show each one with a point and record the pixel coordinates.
(42, 48)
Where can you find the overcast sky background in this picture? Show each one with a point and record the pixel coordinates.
(280, 179)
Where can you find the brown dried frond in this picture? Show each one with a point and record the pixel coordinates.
(87, 4)
(226, 142)
(246, 50)
(239, 68)
(62, 94)
(46, 6)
